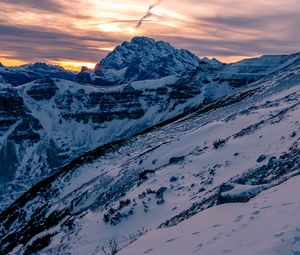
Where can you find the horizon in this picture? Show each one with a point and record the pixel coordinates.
(78, 67)
(82, 33)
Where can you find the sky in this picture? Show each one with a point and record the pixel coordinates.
(82, 32)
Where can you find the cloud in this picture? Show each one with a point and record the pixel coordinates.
(36, 33)
(33, 29)
(46, 5)
(148, 13)
(226, 47)
(47, 44)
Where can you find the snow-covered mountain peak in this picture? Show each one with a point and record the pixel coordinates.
(143, 47)
(213, 62)
(40, 66)
(143, 59)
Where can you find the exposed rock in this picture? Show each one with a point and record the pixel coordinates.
(84, 69)
(45, 90)
(173, 179)
(176, 160)
(261, 158)
(236, 193)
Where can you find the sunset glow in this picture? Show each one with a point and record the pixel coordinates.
(73, 65)
(11, 62)
(83, 32)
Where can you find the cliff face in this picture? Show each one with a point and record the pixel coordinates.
(17, 126)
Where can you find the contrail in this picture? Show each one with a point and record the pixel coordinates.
(148, 13)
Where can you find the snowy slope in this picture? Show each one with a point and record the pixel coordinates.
(262, 65)
(165, 176)
(268, 224)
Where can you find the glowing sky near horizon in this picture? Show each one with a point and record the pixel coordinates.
(81, 32)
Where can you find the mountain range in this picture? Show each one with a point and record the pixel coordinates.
(26, 73)
(152, 149)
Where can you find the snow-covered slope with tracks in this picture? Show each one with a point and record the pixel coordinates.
(268, 224)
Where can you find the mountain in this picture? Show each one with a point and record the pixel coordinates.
(26, 73)
(250, 70)
(91, 168)
(142, 59)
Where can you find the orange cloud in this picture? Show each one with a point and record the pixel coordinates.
(11, 62)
